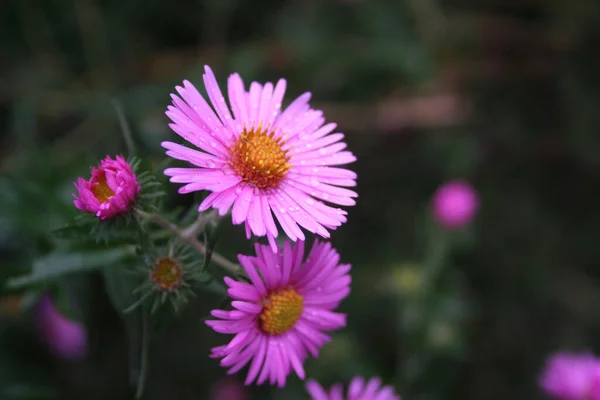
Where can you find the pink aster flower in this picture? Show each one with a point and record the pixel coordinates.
(572, 377)
(455, 204)
(261, 161)
(359, 389)
(280, 316)
(66, 339)
(111, 190)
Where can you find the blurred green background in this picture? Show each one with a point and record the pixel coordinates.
(502, 93)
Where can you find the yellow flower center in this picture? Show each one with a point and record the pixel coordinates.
(101, 190)
(281, 310)
(167, 274)
(259, 158)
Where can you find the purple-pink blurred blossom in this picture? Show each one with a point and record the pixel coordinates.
(571, 376)
(455, 204)
(65, 339)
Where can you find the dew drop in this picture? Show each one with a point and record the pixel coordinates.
(238, 189)
(314, 182)
(210, 164)
(282, 210)
(325, 195)
(247, 199)
(310, 201)
(213, 144)
(322, 151)
(315, 169)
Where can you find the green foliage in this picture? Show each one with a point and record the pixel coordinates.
(58, 264)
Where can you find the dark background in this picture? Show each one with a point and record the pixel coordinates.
(502, 93)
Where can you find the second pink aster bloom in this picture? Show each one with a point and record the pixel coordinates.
(572, 377)
(280, 316)
(261, 161)
(111, 190)
(359, 389)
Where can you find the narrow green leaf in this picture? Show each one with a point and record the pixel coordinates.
(125, 130)
(59, 264)
(211, 235)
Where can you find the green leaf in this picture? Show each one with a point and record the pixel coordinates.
(120, 286)
(125, 129)
(58, 264)
(211, 235)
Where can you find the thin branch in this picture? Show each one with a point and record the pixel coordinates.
(192, 241)
(198, 226)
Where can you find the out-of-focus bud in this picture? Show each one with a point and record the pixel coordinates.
(455, 204)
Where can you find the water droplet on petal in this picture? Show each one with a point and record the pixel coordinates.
(325, 195)
(314, 182)
(238, 189)
(310, 201)
(322, 151)
(210, 164)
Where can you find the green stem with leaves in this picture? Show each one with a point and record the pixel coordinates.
(189, 236)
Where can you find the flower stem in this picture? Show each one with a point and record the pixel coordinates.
(188, 236)
(141, 383)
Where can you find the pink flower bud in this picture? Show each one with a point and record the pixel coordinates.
(66, 339)
(455, 204)
(111, 190)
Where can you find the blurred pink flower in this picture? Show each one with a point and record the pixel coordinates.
(569, 376)
(229, 389)
(111, 190)
(455, 204)
(260, 161)
(359, 389)
(66, 339)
